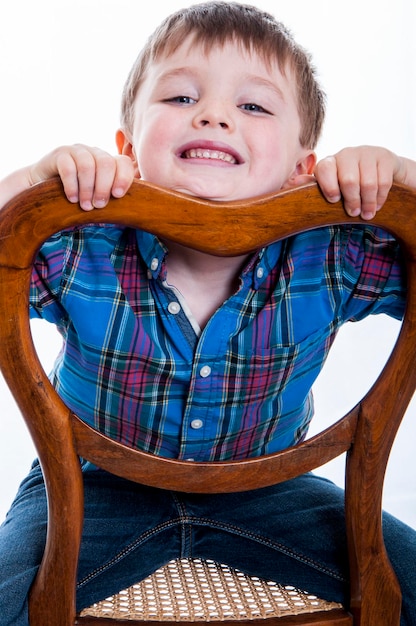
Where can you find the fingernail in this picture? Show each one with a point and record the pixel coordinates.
(367, 215)
(334, 198)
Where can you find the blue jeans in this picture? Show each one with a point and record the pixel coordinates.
(293, 533)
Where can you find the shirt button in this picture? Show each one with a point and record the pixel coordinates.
(196, 424)
(174, 308)
(260, 272)
(154, 264)
(205, 371)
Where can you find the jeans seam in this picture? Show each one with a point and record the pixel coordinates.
(187, 522)
(186, 529)
(267, 542)
(127, 550)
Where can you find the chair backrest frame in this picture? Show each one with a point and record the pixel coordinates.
(366, 433)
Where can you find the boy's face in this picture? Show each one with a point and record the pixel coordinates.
(221, 126)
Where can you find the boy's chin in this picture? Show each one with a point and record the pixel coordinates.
(212, 193)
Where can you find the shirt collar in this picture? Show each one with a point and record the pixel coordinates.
(256, 270)
(153, 252)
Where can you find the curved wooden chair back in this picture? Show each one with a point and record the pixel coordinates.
(366, 433)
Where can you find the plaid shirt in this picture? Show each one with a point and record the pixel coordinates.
(133, 366)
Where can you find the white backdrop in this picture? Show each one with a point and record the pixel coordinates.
(63, 64)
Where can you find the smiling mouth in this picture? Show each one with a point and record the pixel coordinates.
(204, 153)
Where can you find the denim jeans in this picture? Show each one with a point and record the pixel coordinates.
(292, 533)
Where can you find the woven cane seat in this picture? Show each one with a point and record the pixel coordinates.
(196, 590)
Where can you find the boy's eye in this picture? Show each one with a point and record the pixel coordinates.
(181, 100)
(252, 107)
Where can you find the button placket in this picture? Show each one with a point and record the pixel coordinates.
(202, 404)
(194, 424)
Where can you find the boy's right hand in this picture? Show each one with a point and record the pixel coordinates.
(90, 176)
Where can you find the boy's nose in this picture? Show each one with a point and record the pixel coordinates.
(207, 123)
(215, 116)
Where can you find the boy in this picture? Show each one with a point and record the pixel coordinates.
(161, 343)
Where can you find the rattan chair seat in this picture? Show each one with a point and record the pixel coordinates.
(197, 590)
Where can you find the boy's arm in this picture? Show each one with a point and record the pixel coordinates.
(89, 175)
(363, 176)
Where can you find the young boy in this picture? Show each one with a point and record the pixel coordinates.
(162, 343)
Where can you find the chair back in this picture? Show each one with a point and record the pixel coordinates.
(366, 433)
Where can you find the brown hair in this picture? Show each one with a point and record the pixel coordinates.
(215, 23)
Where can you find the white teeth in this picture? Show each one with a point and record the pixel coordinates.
(202, 153)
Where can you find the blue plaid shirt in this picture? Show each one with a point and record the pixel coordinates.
(134, 367)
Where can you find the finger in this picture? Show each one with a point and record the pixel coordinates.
(67, 170)
(124, 175)
(326, 173)
(376, 170)
(114, 176)
(369, 185)
(376, 181)
(105, 171)
(385, 181)
(349, 183)
(85, 162)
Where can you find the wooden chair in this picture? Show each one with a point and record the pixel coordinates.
(366, 433)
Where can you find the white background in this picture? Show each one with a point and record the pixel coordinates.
(63, 64)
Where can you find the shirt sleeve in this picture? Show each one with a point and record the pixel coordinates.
(45, 287)
(373, 274)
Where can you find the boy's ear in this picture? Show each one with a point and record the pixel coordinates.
(303, 173)
(125, 147)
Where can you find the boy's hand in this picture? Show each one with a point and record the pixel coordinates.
(363, 176)
(89, 175)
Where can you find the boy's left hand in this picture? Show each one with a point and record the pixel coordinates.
(362, 176)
